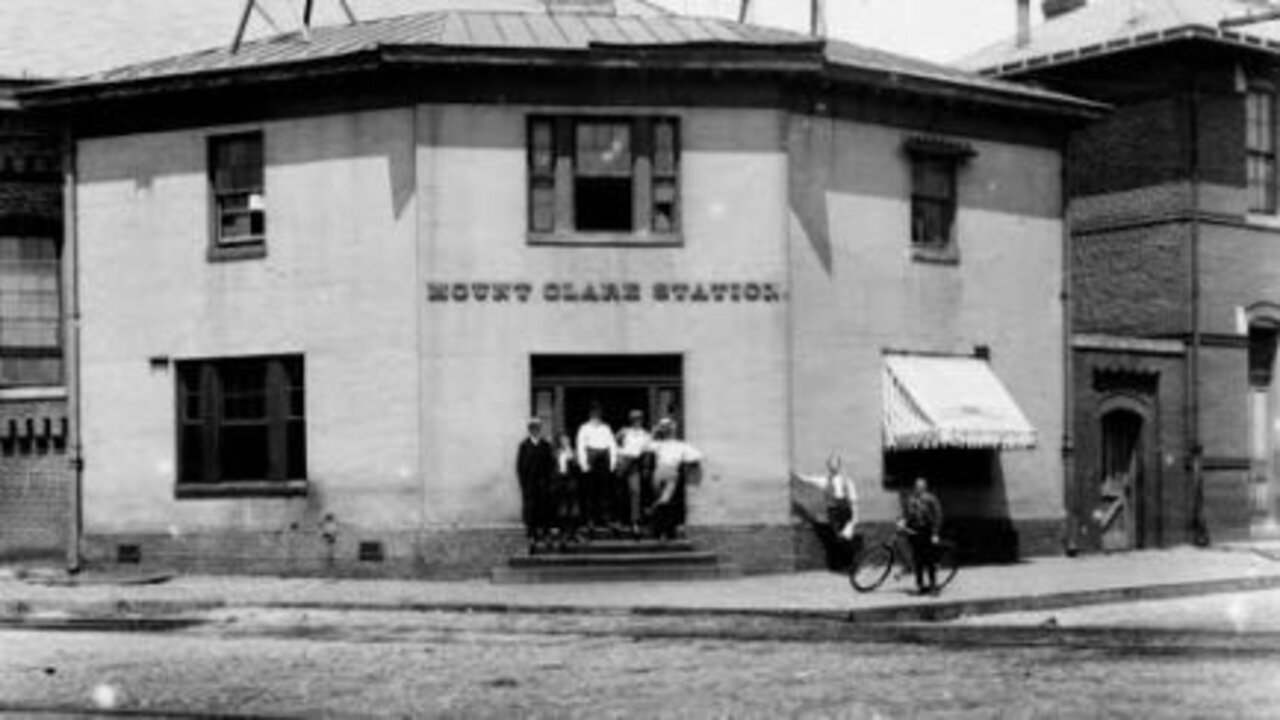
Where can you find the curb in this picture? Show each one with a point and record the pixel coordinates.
(38, 613)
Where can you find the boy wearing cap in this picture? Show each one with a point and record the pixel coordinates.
(535, 465)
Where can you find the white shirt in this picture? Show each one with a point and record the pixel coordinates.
(634, 441)
(596, 435)
(670, 454)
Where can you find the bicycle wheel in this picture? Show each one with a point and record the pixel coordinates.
(948, 564)
(870, 568)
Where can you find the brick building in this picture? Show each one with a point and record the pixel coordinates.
(354, 263)
(35, 477)
(1175, 263)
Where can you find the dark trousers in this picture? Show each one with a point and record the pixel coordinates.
(924, 557)
(535, 508)
(601, 488)
(566, 508)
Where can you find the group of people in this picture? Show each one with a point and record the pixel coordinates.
(921, 521)
(625, 484)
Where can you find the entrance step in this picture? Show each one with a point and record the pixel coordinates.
(605, 561)
(625, 547)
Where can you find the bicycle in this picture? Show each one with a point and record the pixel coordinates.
(872, 565)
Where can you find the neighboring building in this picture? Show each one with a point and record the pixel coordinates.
(35, 477)
(1175, 264)
(324, 282)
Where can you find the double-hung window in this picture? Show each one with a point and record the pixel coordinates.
(604, 179)
(236, 178)
(1260, 149)
(241, 426)
(30, 311)
(935, 167)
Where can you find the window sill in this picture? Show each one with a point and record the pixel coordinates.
(605, 239)
(239, 251)
(241, 489)
(936, 254)
(33, 392)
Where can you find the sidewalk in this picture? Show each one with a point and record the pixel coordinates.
(1039, 583)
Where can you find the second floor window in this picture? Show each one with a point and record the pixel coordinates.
(600, 177)
(239, 196)
(933, 200)
(1260, 149)
(30, 312)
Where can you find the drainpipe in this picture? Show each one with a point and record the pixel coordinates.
(1199, 532)
(1072, 499)
(71, 346)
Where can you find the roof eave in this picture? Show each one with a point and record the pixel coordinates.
(734, 57)
(1116, 46)
(1069, 108)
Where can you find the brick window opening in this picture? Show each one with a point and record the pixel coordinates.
(236, 179)
(605, 178)
(30, 312)
(242, 426)
(1260, 145)
(128, 554)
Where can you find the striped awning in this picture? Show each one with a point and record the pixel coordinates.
(949, 402)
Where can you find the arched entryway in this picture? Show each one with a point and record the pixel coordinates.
(1123, 480)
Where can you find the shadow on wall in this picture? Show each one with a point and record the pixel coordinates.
(812, 149)
(971, 487)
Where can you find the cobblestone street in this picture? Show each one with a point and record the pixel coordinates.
(434, 664)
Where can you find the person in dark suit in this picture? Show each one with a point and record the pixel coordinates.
(923, 521)
(535, 466)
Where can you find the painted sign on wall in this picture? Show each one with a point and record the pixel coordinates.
(605, 292)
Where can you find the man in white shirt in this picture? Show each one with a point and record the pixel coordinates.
(598, 458)
(674, 460)
(634, 443)
(841, 496)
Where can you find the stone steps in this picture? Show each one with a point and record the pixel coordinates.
(616, 560)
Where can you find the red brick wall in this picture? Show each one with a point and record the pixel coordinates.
(1132, 282)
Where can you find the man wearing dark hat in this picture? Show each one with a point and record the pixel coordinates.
(535, 465)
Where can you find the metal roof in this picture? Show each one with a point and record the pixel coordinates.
(532, 29)
(1110, 26)
(462, 30)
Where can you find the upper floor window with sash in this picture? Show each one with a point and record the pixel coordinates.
(239, 196)
(604, 179)
(1260, 149)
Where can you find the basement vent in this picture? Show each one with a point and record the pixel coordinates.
(128, 554)
(371, 552)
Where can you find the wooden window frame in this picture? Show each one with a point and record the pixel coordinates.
(560, 178)
(242, 246)
(951, 156)
(35, 352)
(1261, 154)
(286, 475)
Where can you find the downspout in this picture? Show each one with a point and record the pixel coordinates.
(1071, 545)
(71, 339)
(1199, 533)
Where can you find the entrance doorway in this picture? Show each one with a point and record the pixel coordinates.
(1264, 434)
(1123, 486)
(566, 386)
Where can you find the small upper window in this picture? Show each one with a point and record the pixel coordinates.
(593, 179)
(1260, 145)
(933, 200)
(239, 195)
(935, 165)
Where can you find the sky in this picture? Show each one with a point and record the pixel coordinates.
(61, 38)
(938, 30)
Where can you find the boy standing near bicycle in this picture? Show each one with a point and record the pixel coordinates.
(923, 520)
